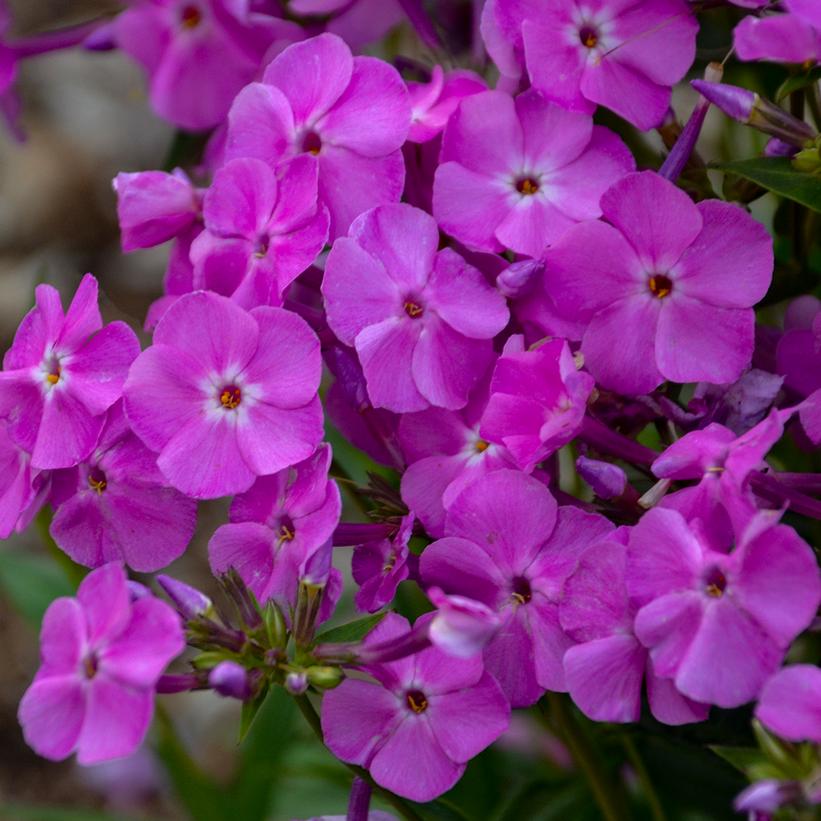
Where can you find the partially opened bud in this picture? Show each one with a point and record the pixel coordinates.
(188, 601)
(461, 627)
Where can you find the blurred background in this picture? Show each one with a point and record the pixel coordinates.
(86, 118)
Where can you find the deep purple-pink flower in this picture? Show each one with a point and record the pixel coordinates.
(115, 505)
(508, 546)
(420, 319)
(516, 173)
(622, 54)
(719, 624)
(352, 113)
(224, 395)
(61, 374)
(416, 726)
(666, 286)
(101, 655)
(790, 703)
(262, 230)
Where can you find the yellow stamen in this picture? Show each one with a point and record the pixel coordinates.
(230, 398)
(481, 446)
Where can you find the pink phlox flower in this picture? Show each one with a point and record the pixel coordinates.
(101, 655)
(432, 103)
(517, 173)
(719, 624)
(61, 374)
(225, 395)
(667, 288)
(414, 727)
(508, 546)
(277, 526)
(351, 113)
(115, 505)
(790, 703)
(792, 37)
(421, 320)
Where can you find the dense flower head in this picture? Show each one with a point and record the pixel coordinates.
(224, 395)
(607, 53)
(421, 319)
(516, 173)
(351, 113)
(61, 374)
(101, 655)
(668, 285)
(414, 727)
(719, 624)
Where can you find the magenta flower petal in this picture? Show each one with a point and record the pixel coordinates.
(241, 198)
(782, 38)
(790, 703)
(62, 638)
(668, 705)
(604, 677)
(531, 225)
(116, 721)
(668, 625)
(455, 558)
(730, 240)
(433, 771)
(260, 123)
(698, 341)
(67, 433)
(103, 595)
(312, 93)
(553, 137)
(424, 484)
(550, 643)
(509, 658)
(51, 713)
(247, 547)
(620, 361)
(82, 317)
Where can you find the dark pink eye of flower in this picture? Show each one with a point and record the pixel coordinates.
(90, 665)
(52, 371)
(715, 583)
(312, 143)
(660, 285)
(261, 247)
(527, 185)
(588, 36)
(413, 309)
(287, 531)
(230, 397)
(97, 480)
(522, 592)
(190, 17)
(416, 701)
(481, 446)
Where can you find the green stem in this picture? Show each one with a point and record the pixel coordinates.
(610, 802)
(399, 804)
(650, 794)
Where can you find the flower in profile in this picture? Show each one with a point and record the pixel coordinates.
(262, 230)
(277, 525)
(101, 655)
(198, 53)
(434, 102)
(351, 113)
(793, 37)
(460, 626)
(719, 624)
(668, 285)
(22, 490)
(415, 726)
(538, 399)
(625, 56)
(605, 670)
(115, 505)
(61, 374)
(421, 320)
(516, 173)
(379, 567)
(509, 547)
(224, 395)
(790, 703)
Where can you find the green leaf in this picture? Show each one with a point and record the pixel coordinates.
(32, 582)
(797, 82)
(742, 758)
(776, 174)
(249, 712)
(353, 631)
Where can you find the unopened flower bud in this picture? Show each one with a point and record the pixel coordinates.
(461, 627)
(520, 278)
(188, 601)
(296, 683)
(767, 796)
(606, 479)
(231, 680)
(778, 148)
(326, 678)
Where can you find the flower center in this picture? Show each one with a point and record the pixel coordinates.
(715, 583)
(312, 143)
(527, 186)
(416, 701)
(287, 531)
(660, 285)
(413, 309)
(480, 446)
(588, 36)
(90, 665)
(52, 366)
(190, 17)
(261, 247)
(97, 480)
(522, 592)
(230, 397)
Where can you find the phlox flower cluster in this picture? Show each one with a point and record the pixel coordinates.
(478, 288)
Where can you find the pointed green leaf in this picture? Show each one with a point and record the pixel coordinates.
(776, 174)
(742, 758)
(797, 82)
(249, 712)
(353, 631)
